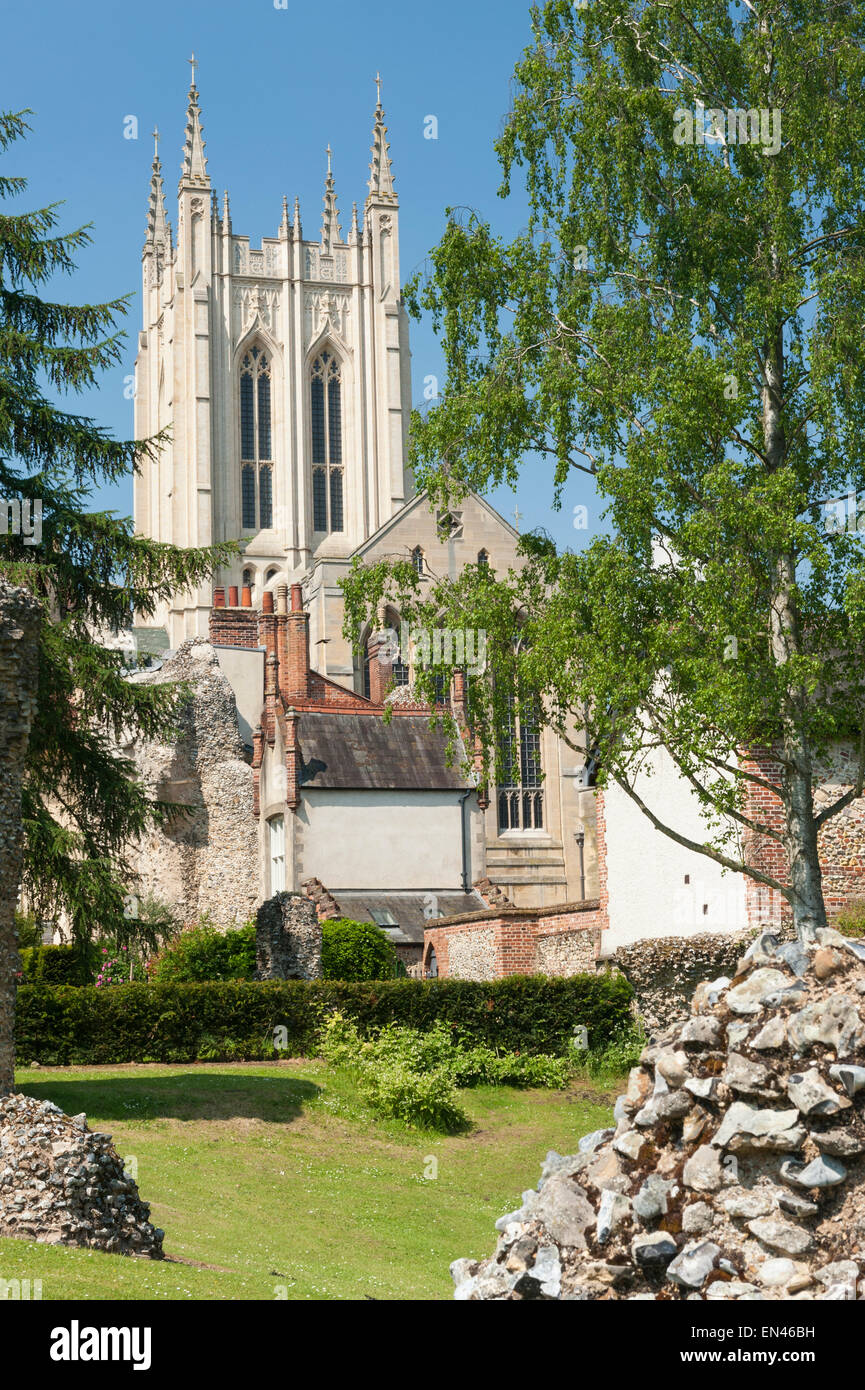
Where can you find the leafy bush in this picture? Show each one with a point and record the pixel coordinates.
(55, 965)
(166, 1022)
(205, 953)
(356, 951)
(851, 919)
(608, 1063)
(27, 929)
(413, 1076)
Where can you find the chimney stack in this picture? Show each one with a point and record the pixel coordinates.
(294, 673)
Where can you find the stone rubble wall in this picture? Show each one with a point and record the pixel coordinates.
(19, 619)
(736, 1168)
(665, 971)
(207, 861)
(288, 939)
(60, 1184)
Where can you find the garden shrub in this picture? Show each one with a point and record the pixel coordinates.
(413, 1076)
(356, 951)
(168, 1022)
(205, 953)
(55, 965)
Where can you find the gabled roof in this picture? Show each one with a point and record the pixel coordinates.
(344, 751)
(419, 499)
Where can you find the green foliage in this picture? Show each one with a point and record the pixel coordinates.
(356, 951)
(679, 327)
(851, 919)
(55, 965)
(606, 1064)
(390, 1078)
(169, 1022)
(205, 953)
(412, 1076)
(27, 930)
(82, 804)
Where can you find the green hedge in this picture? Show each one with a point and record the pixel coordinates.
(62, 1025)
(55, 965)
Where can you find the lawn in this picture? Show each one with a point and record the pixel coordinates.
(272, 1181)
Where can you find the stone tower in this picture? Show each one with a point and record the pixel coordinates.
(282, 373)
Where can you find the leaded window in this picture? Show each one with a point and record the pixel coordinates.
(520, 796)
(256, 446)
(327, 466)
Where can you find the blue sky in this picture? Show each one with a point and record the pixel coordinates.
(276, 86)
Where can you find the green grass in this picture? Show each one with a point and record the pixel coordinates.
(273, 1181)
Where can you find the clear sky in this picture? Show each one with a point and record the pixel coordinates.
(276, 85)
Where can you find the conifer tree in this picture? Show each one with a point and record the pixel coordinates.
(83, 806)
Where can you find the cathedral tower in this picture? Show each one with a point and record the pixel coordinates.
(281, 374)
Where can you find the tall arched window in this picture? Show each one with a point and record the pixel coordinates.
(417, 560)
(256, 451)
(326, 404)
(521, 797)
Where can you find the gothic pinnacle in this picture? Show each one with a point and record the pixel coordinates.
(194, 168)
(380, 168)
(157, 223)
(331, 232)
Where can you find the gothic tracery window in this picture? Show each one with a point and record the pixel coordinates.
(521, 797)
(327, 466)
(256, 451)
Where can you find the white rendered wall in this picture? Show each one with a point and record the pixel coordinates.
(385, 840)
(648, 895)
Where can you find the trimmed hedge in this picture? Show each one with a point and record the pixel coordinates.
(64, 1025)
(55, 965)
(356, 951)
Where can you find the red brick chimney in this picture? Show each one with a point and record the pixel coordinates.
(294, 671)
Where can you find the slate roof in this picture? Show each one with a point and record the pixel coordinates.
(411, 912)
(361, 751)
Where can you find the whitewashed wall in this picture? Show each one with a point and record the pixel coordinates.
(648, 894)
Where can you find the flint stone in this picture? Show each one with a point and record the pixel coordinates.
(776, 1273)
(810, 1094)
(840, 1272)
(827, 961)
(547, 1270)
(654, 1250)
(708, 992)
(794, 1205)
(736, 1289)
(694, 1126)
(763, 949)
(745, 1205)
(693, 1266)
(639, 1087)
(820, 1172)
(851, 1078)
(620, 1109)
(840, 1143)
(752, 1128)
(747, 998)
(613, 1209)
(772, 1035)
(835, 1023)
(702, 1171)
(703, 1087)
(650, 1203)
(751, 1078)
(673, 1067)
(564, 1210)
(705, 1031)
(794, 956)
(780, 1235)
(697, 1219)
(590, 1142)
(629, 1145)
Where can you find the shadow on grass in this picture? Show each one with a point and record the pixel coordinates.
(186, 1095)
